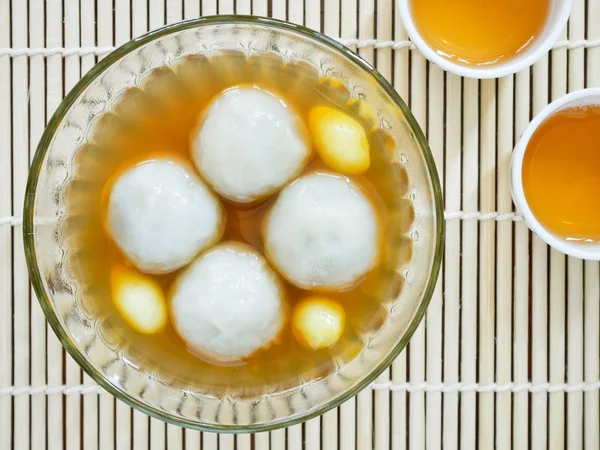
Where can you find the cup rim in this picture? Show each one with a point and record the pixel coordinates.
(509, 67)
(516, 174)
(39, 157)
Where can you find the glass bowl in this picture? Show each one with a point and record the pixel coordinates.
(47, 243)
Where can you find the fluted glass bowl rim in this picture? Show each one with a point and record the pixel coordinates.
(40, 154)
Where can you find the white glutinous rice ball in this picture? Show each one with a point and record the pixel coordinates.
(322, 232)
(162, 215)
(228, 303)
(249, 144)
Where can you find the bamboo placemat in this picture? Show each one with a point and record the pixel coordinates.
(509, 352)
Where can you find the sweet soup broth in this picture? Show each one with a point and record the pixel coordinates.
(157, 120)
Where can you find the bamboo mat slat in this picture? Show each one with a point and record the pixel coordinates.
(509, 353)
(521, 271)
(37, 327)
(5, 232)
(451, 274)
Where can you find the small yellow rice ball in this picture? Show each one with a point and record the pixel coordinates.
(139, 299)
(318, 322)
(340, 140)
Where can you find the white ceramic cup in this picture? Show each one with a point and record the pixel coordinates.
(578, 98)
(557, 19)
